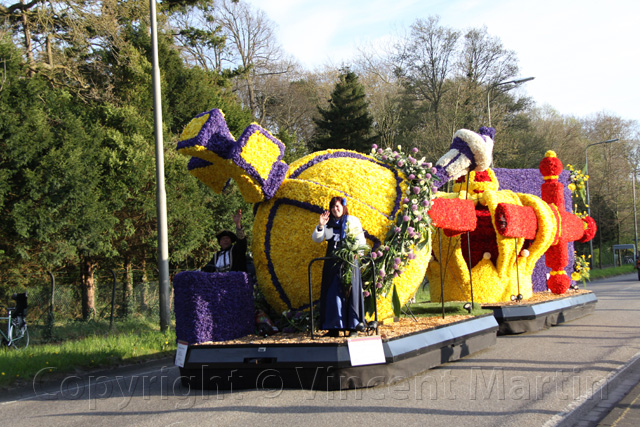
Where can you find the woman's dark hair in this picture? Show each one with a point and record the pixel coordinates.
(342, 201)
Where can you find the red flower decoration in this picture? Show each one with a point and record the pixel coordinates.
(559, 283)
(590, 231)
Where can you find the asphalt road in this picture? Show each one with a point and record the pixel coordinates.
(552, 377)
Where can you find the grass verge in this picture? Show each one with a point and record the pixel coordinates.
(423, 307)
(428, 309)
(84, 346)
(602, 273)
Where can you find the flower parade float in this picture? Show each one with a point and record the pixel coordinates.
(517, 241)
(389, 191)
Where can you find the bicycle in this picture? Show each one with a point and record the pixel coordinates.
(17, 335)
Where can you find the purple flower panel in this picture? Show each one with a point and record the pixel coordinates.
(530, 181)
(213, 306)
(214, 136)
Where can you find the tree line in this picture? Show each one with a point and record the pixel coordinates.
(77, 178)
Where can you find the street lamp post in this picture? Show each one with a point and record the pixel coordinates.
(586, 172)
(161, 197)
(515, 82)
(635, 217)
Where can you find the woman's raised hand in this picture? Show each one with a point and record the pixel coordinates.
(324, 218)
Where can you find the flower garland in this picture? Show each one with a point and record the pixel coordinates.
(577, 185)
(348, 252)
(581, 269)
(413, 225)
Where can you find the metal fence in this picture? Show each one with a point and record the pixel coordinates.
(60, 295)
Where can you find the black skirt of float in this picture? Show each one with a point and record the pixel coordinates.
(517, 319)
(327, 366)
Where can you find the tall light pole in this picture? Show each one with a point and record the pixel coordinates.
(161, 196)
(635, 217)
(515, 82)
(586, 172)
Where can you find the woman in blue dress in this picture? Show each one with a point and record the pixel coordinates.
(341, 308)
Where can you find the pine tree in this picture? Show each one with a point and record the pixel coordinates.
(346, 123)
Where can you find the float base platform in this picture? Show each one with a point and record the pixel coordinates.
(517, 319)
(328, 366)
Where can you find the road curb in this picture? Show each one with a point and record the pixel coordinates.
(593, 407)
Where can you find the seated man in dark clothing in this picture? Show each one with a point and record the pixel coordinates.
(232, 255)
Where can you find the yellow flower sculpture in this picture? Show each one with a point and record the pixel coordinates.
(290, 201)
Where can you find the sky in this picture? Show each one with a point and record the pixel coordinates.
(584, 54)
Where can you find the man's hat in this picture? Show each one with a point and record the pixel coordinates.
(227, 233)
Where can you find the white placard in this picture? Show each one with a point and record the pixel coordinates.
(181, 353)
(366, 351)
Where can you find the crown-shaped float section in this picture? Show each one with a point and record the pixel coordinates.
(254, 161)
